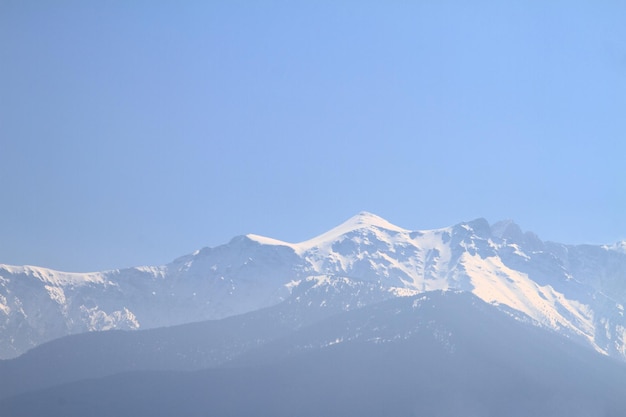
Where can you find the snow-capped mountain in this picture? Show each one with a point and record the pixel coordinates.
(576, 290)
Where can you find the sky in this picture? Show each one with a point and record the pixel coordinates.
(135, 132)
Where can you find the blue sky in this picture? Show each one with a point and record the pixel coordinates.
(133, 132)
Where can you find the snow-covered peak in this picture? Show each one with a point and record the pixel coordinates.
(363, 220)
(267, 240)
(367, 220)
(50, 276)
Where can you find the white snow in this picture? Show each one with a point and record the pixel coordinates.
(4, 305)
(363, 220)
(99, 320)
(495, 283)
(268, 240)
(403, 292)
(617, 247)
(58, 278)
(56, 293)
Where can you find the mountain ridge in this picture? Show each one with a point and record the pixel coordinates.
(580, 290)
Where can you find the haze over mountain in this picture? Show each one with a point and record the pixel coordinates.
(437, 354)
(577, 290)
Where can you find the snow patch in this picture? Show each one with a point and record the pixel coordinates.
(56, 293)
(403, 292)
(617, 247)
(292, 284)
(4, 305)
(495, 283)
(99, 320)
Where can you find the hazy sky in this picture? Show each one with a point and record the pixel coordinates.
(133, 132)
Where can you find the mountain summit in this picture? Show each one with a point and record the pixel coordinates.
(364, 220)
(578, 291)
(361, 221)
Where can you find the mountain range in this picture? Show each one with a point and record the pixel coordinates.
(366, 319)
(577, 290)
